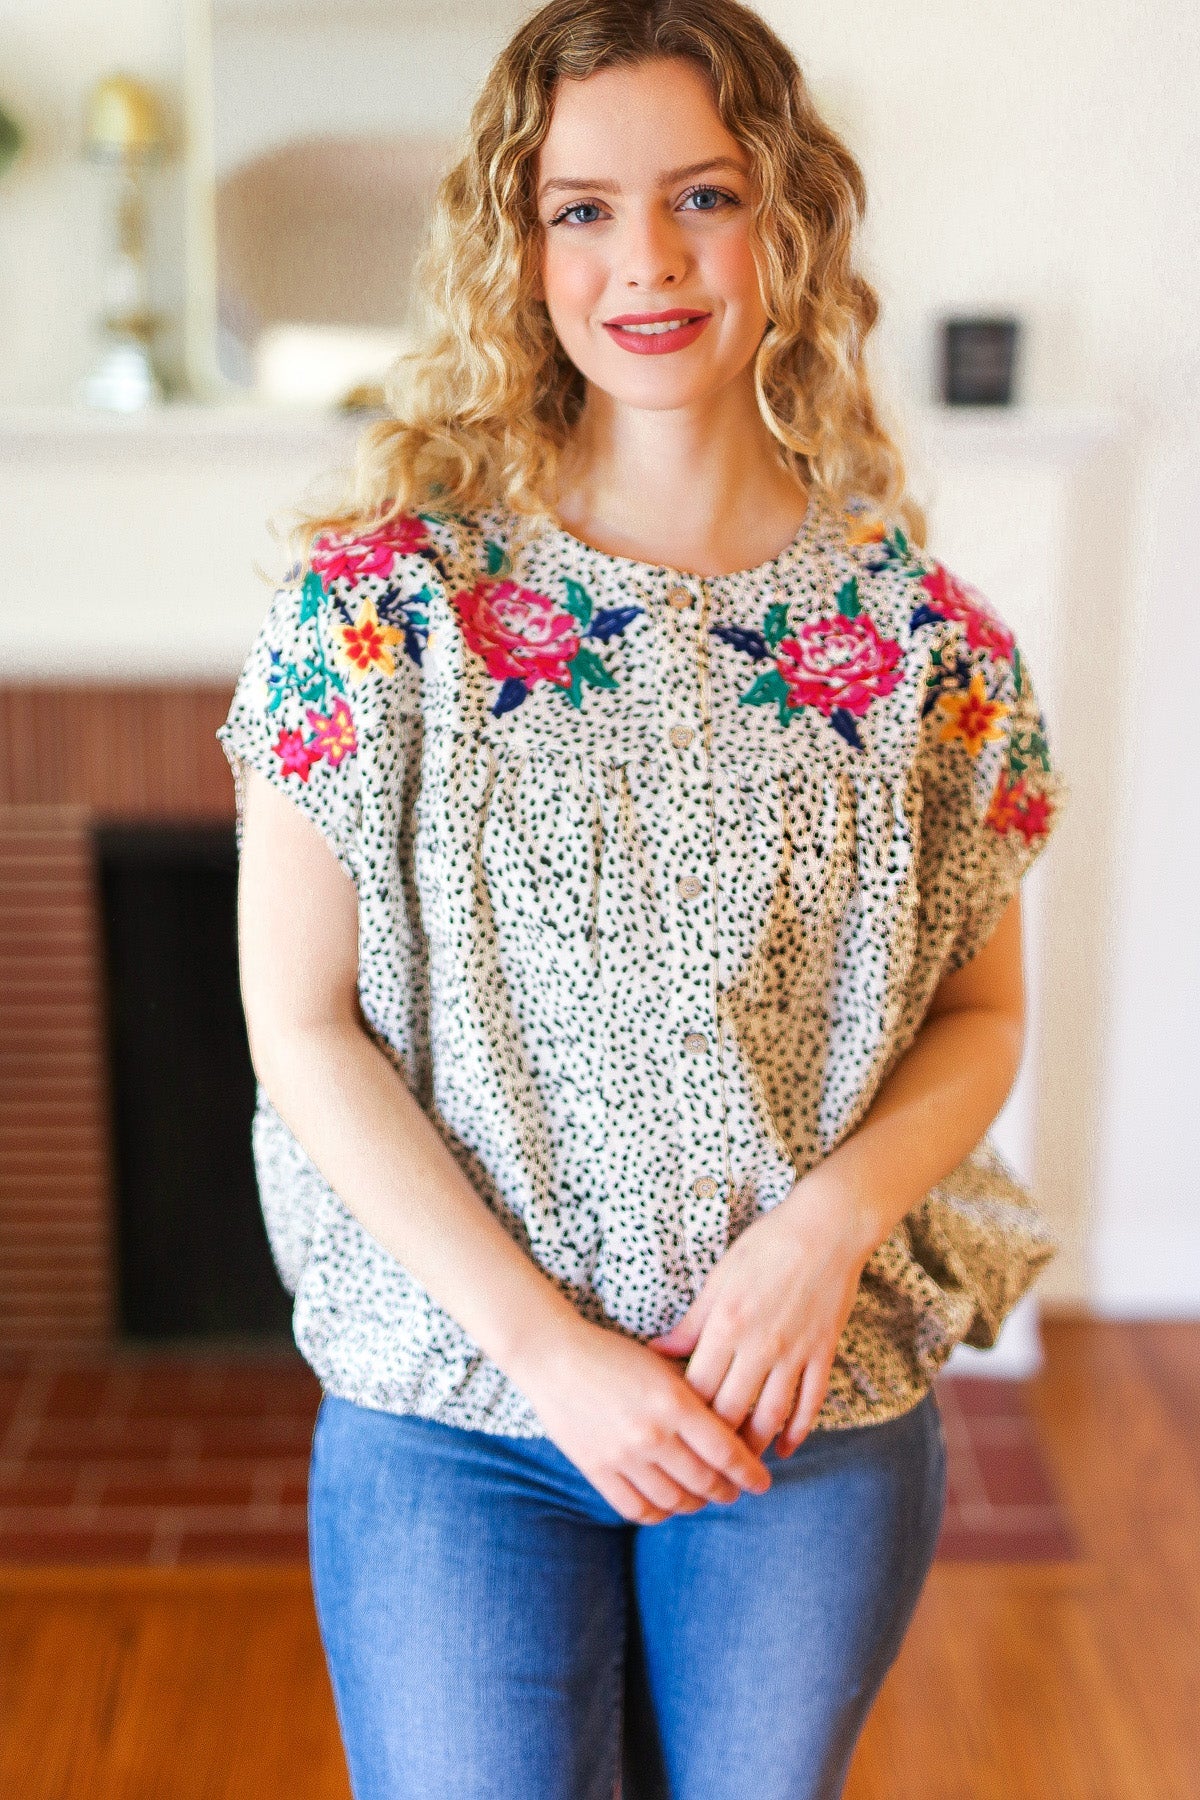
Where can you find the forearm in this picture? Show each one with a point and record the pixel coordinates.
(365, 1131)
(932, 1110)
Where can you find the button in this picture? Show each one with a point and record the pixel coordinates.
(690, 886)
(678, 596)
(681, 736)
(696, 1042)
(704, 1187)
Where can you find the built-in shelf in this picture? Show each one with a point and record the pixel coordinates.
(1052, 432)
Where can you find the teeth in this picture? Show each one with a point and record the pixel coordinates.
(654, 330)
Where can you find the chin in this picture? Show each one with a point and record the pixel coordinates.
(657, 390)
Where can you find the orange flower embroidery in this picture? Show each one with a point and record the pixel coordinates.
(1014, 808)
(367, 644)
(971, 716)
(866, 530)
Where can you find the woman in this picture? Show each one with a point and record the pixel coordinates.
(628, 1028)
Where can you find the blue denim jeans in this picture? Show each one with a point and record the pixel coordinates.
(495, 1630)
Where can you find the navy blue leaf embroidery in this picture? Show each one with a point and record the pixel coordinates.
(610, 621)
(751, 643)
(924, 615)
(512, 692)
(842, 721)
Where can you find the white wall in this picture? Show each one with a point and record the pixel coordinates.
(1035, 159)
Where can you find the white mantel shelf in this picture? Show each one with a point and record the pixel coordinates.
(1045, 432)
(182, 425)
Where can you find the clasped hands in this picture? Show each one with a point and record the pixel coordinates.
(759, 1339)
(760, 1336)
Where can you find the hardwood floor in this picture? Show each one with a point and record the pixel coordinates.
(1051, 1681)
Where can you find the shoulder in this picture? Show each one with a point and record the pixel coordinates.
(919, 587)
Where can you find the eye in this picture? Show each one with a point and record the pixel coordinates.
(714, 193)
(576, 206)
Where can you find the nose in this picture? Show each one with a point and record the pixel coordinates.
(653, 252)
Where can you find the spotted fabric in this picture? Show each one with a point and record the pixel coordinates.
(656, 875)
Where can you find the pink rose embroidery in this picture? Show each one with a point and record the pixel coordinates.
(950, 598)
(838, 662)
(519, 633)
(374, 553)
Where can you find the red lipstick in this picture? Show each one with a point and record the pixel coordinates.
(666, 334)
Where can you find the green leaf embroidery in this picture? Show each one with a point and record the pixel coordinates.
(775, 623)
(769, 689)
(848, 603)
(575, 692)
(578, 602)
(497, 558)
(591, 669)
(1018, 670)
(312, 594)
(901, 540)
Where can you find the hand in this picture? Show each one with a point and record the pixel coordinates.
(762, 1332)
(633, 1425)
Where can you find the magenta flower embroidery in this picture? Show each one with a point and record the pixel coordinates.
(838, 662)
(525, 637)
(373, 553)
(518, 631)
(293, 753)
(333, 736)
(950, 598)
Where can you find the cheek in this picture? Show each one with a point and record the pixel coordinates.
(730, 267)
(572, 280)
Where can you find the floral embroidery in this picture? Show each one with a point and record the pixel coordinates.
(525, 637)
(334, 737)
(360, 647)
(970, 715)
(838, 664)
(374, 556)
(374, 553)
(367, 644)
(1015, 808)
(951, 598)
(294, 754)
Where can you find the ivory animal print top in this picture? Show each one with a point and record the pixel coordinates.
(656, 877)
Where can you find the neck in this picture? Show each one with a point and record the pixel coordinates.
(687, 477)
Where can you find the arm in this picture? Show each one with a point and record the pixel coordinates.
(769, 1317)
(623, 1415)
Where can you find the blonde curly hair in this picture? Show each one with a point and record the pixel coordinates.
(485, 411)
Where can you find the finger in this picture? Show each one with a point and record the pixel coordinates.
(721, 1447)
(738, 1394)
(776, 1405)
(662, 1490)
(709, 1365)
(812, 1392)
(693, 1473)
(632, 1505)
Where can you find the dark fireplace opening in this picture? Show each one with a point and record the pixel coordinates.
(192, 1253)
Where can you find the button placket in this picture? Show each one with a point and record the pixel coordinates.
(687, 848)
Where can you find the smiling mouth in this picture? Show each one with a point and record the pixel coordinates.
(657, 334)
(656, 329)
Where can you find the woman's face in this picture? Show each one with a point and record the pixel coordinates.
(644, 201)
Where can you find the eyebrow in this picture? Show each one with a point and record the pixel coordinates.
(566, 182)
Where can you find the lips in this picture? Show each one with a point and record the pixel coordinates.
(654, 334)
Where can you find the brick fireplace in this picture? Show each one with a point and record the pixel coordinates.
(74, 757)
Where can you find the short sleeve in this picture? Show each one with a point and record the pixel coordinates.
(334, 667)
(992, 792)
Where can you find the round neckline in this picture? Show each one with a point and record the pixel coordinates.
(763, 571)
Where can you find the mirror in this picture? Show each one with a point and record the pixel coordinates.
(318, 130)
